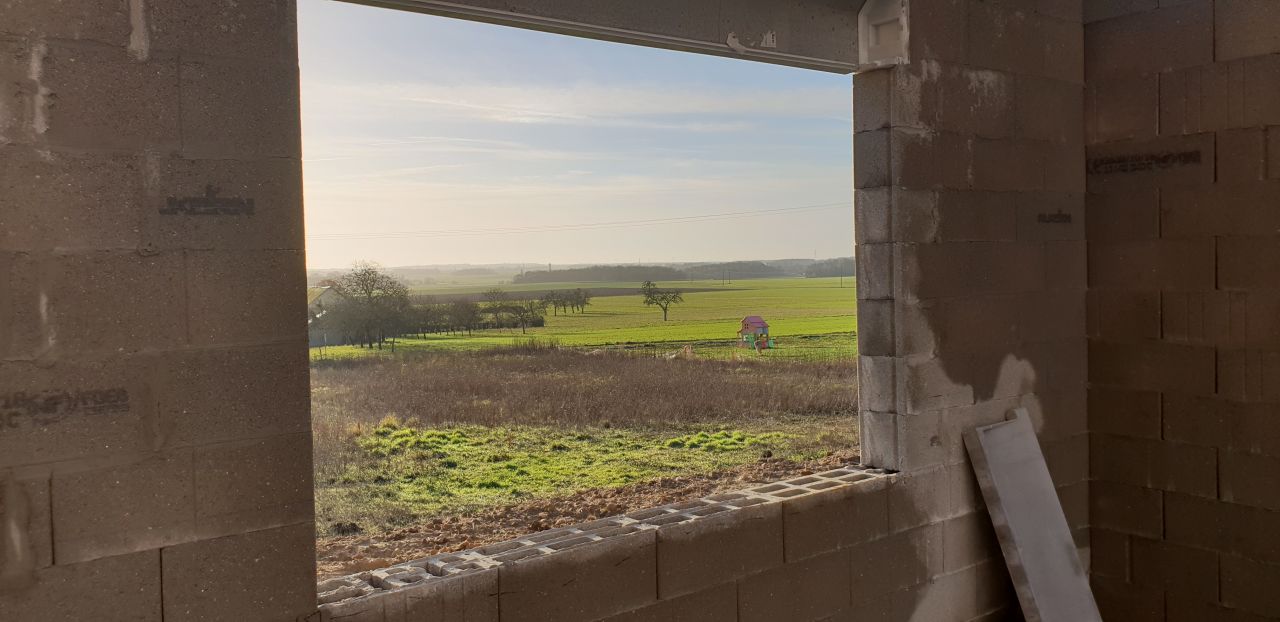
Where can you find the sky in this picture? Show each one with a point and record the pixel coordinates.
(429, 140)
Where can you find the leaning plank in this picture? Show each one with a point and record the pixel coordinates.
(1028, 519)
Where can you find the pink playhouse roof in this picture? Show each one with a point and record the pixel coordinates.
(754, 321)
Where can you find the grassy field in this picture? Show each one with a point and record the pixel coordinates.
(811, 319)
(400, 440)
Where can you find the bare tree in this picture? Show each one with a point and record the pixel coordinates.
(661, 298)
(374, 304)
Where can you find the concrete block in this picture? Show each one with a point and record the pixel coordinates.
(969, 540)
(872, 100)
(265, 30)
(1224, 209)
(470, 597)
(876, 270)
(1262, 90)
(899, 561)
(1142, 164)
(23, 333)
(69, 200)
(696, 555)
(1065, 264)
(124, 587)
(1125, 412)
(1254, 428)
(968, 216)
(923, 160)
(264, 96)
(89, 20)
(1063, 43)
(1167, 38)
(1118, 600)
(1123, 108)
(718, 604)
(1248, 374)
(1245, 28)
(1199, 99)
(969, 101)
(1245, 262)
(584, 583)
(1063, 171)
(940, 33)
(1197, 420)
(1124, 316)
(1251, 479)
(1123, 216)
(835, 519)
(250, 485)
(803, 590)
(1224, 527)
(263, 575)
(878, 432)
(1098, 10)
(925, 386)
(224, 204)
(105, 99)
(1004, 38)
(116, 510)
(246, 297)
(1126, 509)
(86, 411)
(1250, 585)
(920, 441)
(871, 159)
(875, 327)
(1242, 155)
(1050, 216)
(1048, 109)
(87, 312)
(1173, 264)
(196, 408)
(919, 498)
(1153, 366)
(915, 215)
(1008, 165)
(1204, 317)
(873, 214)
(1109, 554)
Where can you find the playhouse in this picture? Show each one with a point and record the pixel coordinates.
(754, 333)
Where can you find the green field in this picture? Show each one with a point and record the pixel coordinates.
(808, 318)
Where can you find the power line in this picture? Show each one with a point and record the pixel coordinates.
(647, 222)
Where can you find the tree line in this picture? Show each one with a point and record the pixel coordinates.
(373, 309)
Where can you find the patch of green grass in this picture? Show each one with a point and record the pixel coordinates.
(407, 472)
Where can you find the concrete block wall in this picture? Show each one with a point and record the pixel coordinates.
(154, 420)
(848, 544)
(968, 164)
(1183, 126)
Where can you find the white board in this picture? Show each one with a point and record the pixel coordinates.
(1033, 533)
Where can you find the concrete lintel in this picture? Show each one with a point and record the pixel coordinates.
(818, 35)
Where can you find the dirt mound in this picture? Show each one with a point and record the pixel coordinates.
(342, 555)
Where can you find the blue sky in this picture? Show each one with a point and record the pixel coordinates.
(428, 140)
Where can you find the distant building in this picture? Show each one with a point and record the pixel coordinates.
(754, 333)
(320, 301)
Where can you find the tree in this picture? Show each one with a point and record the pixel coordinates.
(495, 304)
(661, 298)
(580, 298)
(374, 305)
(464, 315)
(555, 300)
(527, 312)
